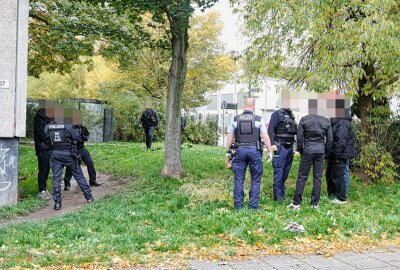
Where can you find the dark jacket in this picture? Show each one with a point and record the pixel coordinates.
(149, 118)
(40, 121)
(314, 135)
(277, 118)
(73, 134)
(84, 132)
(343, 139)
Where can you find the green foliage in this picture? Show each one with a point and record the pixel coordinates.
(327, 45)
(153, 216)
(379, 158)
(62, 31)
(27, 185)
(197, 132)
(378, 164)
(128, 109)
(30, 119)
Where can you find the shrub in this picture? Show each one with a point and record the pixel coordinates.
(380, 157)
(197, 132)
(378, 164)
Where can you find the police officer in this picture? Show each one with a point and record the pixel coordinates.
(63, 153)
(246, 129)
(314, 141)
(42, 150)
(83, 153)
(281, 130)
(149, 120)
(85, 158)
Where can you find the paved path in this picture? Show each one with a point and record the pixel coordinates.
(380, 259)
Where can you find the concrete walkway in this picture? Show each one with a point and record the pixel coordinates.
(381, 259)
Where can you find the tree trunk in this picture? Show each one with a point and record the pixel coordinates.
(176, 80)
(365, 101)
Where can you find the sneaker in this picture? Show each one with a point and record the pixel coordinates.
(67, 187)
(44, 195)
(293, 207)
(337, 201)
(94, 183)
(315, 206)
(90, 200)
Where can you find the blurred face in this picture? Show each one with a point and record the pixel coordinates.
(76, 117)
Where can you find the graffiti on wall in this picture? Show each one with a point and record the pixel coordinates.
(7, 160)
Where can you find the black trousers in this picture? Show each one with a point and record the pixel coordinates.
(87, 160)
(149, 131)
(336, 183)
(43, 157)
(59, 160)
(317, 162)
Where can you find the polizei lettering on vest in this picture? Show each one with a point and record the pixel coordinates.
(56, 126)
(246, 117)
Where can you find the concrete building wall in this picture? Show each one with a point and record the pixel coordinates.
(13, 67)
(14, 15)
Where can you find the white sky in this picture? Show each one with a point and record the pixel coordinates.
(230, 33)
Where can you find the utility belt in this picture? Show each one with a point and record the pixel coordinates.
(287, 145)
(61, 146)
(258, 144)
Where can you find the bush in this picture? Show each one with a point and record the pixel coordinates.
(379, 157)
(378, 164)
(200, 133)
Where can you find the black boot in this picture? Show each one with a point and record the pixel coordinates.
(94, 183)
(57, 206)
(67, 185)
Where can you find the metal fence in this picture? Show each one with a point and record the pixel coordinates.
(97, 117)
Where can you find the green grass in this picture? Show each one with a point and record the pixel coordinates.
(27, 187)
(153, 216)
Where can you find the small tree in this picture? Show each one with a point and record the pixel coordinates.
(329, 44)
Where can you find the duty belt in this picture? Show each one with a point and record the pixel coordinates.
(286, 144)
(246, 144)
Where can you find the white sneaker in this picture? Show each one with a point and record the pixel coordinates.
(44, 195)
(337, 201)
(293, 207)
(315, 206)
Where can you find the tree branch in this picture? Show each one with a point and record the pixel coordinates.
(37, 17)
(151, 93)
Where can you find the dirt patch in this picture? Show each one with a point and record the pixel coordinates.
(71, 200)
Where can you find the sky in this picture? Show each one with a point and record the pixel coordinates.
(230, 33)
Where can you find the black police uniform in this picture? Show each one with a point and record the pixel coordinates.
(42, 148)
(150, 121)
(85, 157)
(281, 131)
(314, 141)
(63, 153)
(246, 129)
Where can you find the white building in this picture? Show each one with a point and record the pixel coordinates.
(267, 98)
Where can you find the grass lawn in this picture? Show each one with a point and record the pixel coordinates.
(155, 218)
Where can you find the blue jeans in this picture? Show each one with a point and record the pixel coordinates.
(247, 156)
(281, 164)
(347, 175)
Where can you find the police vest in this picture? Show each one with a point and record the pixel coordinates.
(58, 136)
(246, 131)
(287, 126)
